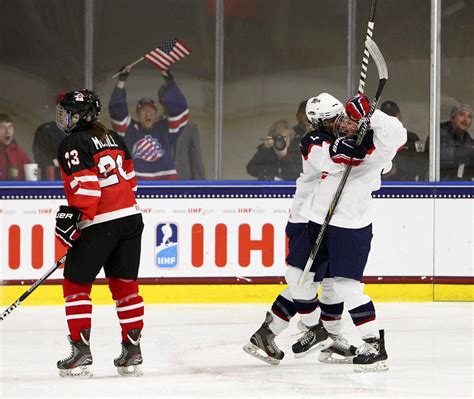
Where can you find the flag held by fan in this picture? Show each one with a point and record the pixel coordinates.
(165, 55)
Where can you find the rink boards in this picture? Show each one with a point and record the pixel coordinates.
(225, 242)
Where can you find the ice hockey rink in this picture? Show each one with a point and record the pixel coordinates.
(196, 351)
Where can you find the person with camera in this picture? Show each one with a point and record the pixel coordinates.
(278, 157)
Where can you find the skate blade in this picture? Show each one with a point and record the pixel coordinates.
(254, 351)
(78, 372)
(130, 371)
(334, 358)
(319, 346)
(369, 368)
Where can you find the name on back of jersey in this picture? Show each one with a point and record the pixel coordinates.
(107, 141)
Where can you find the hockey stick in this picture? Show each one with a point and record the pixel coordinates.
(365, 57)
(27, 293)
(383, 76)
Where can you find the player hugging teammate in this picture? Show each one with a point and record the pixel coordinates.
(339, 265)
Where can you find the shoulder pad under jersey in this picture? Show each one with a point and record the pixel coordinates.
(316, 137)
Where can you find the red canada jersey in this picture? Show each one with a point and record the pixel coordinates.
(98, 176)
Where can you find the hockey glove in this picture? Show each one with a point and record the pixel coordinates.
(358, 107)
(345, 150)
(66, 224)
(124, 72)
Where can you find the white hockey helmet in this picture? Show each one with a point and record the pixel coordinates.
(321, 108)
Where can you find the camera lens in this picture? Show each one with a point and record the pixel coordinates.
(279, 143)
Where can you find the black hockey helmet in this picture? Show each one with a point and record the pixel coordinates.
(77, 109)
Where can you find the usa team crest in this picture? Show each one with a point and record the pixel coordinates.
(166, 247)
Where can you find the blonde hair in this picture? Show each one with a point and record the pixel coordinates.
(280, 127)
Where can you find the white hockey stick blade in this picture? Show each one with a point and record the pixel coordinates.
(378, 58)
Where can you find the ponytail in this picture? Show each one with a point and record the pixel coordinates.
(98, 129)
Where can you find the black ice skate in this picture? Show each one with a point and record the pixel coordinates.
(129, 361)
(78, 362)
(316, 337)
(371, 356)
(262, 344)
(339, 352)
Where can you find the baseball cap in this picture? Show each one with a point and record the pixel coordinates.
(146, 101)
(390, 108)
(459, 108)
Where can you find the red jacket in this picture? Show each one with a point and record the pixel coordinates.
(12, 162)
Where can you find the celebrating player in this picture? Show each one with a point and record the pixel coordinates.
(345, 248)
(262, 344)
(346, 245)
(102, 225)
(152, 137)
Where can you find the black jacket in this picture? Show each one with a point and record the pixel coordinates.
(456, 153)
(265, 165)
(411, 161)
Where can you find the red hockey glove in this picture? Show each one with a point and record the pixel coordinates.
(358, 107)
(66, 224)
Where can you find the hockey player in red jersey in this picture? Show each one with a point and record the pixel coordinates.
(102, 225)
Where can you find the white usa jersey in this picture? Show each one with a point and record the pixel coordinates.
(354, 208)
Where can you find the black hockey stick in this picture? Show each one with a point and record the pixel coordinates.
(365, 57)
(27, 293)
(383, 76)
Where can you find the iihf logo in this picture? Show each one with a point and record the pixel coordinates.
(166, 250)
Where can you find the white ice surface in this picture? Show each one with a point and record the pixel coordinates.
(196, 351)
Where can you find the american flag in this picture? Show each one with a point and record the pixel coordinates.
(167, 54)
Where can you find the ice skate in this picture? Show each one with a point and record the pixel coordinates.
(262, 344)
(340, 352)
(316, 337)
(129, 361)
(77, 364)
(371, 356)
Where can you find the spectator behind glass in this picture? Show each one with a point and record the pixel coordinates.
(302, 126)
(150, 139)
(411, 161)
(12, 158)
(456, 145)
(45, 147)
(188, 156)
(278, 157)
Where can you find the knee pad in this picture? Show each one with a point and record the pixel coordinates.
(122, 289)
(73, 289)
(307, 291)
(351, 292)
(293, 274)
(329, 294)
